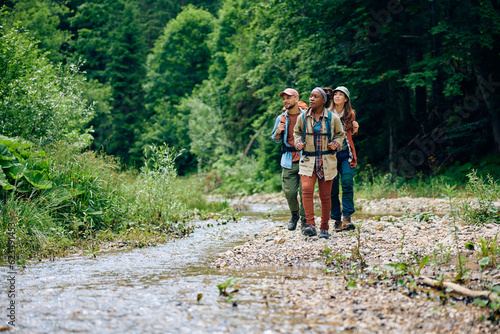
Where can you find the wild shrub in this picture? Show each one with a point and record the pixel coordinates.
(88, 191)
(155, 202)
(485, 191)
(237, 176)
(90, 196)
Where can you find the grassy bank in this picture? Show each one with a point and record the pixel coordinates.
(60, 200)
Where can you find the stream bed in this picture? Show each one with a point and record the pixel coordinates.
(282, 288)
(155, 289)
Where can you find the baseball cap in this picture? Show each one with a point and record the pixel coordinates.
(290, 91)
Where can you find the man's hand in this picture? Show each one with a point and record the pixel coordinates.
(280, 128)
(300, 146)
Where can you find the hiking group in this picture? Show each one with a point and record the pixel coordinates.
(316, 145)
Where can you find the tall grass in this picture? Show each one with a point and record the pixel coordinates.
(152, 198)
(484, 191)
(92, 198)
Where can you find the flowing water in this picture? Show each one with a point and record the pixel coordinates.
(154, 290)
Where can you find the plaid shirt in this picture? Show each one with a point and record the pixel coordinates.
(318, 141)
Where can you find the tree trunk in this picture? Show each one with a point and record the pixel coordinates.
(495, 117)
(495, 124)
(420, 91)
(253, 139)
(393, 144)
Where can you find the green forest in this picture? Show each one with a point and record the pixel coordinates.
(141, 190)
(191, 88)
(204, 76)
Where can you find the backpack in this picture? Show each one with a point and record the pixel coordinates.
(328, 134)
(285, 148)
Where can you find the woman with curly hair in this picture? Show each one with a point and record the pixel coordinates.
(319, 134)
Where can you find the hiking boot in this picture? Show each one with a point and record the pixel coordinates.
(292, 224)
(323, 234)
(303, 224)
(346, 224)
(338, 226)
(309, 231)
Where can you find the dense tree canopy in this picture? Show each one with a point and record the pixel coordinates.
(204, 76)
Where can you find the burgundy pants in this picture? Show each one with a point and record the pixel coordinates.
(325, 188)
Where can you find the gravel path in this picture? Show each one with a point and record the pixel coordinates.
(380, 298)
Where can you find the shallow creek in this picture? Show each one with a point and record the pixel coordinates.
(154, 290)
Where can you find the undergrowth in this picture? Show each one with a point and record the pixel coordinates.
(85, 201)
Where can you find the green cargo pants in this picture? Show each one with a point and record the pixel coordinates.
(292, 187)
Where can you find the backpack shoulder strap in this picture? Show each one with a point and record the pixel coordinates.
(305, 126)
(329, 125)
(283, 140)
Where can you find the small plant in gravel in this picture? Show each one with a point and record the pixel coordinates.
(420, 263)
(489, 252)
(485, 191)
(336, 260)
(326, 251)
(441, 255)
(356, 251)
(451, 193)
(492, 304)
(233, 283)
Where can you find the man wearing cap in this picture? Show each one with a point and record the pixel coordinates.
(290, 156)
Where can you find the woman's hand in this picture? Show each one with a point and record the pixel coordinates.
(355, 127)
(333, 145)
(300, 146)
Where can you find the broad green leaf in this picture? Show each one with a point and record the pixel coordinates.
(37, 180)
(496, 289)
(425, 260)
(5, 153)
(3, 181)
(484, 261)
(16, 171)
(494, 306)
(39, 164)
(5, 164)
(15, 143)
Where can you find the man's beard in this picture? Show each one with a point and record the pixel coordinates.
(290, 107)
